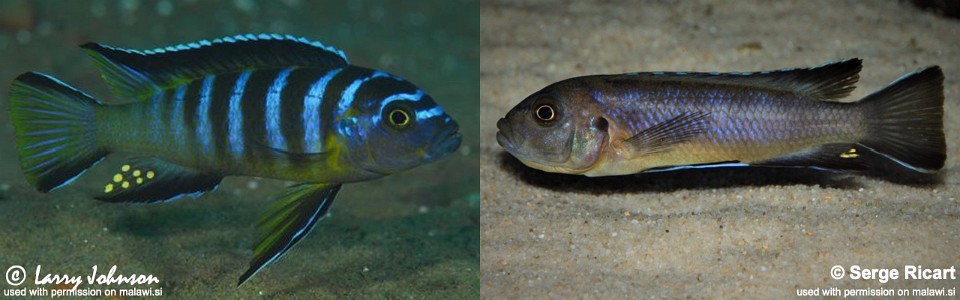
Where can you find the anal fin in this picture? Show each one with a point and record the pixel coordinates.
(287, 221)
(838, 157)
(148, 180)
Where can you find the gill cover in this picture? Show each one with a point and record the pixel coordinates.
(392, 125)
(555, 129)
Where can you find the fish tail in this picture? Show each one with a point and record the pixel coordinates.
(904, 121)
(55, 130)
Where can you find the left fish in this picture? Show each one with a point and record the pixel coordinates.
(263, 105)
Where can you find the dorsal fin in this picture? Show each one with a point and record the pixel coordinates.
(827, 82)
(139, 74)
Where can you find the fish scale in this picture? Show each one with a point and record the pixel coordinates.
(738, 129)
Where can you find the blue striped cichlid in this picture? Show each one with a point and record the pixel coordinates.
(265, 105)
(641, 122)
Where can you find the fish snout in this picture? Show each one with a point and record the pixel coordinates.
(505, 135)
(445, 141)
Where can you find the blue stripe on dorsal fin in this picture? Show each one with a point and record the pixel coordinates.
(830, 81)
(139, 74)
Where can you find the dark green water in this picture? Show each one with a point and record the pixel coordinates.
(411, 235)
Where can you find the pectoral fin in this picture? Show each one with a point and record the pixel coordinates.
(663, 135)
(303, 155)
(148, 180)
(288, 221)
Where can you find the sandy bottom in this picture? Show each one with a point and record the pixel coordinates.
(754, 233)
(412, 235)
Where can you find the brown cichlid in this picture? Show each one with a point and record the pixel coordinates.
(640, 122)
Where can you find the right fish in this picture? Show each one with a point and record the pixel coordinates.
(630, 123)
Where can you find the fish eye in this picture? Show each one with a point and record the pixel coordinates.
(545, 113)
(399, 118)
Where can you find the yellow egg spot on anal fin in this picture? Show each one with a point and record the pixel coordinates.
(136, 173)
(125, 168)
(139, 180)
(150, 174)
(852, 153)
(108, 188)
(125, 184)
(117, 177)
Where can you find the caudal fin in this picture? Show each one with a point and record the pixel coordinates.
(905, 121)
(54, 127)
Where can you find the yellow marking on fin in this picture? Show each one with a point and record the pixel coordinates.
(125, 168)
(136, 173)
(852, 153)
(149, 174)
(108, 188)
(125, 184)
(117, 177)
(139, 180)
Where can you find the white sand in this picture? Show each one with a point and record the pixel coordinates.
(715, 233)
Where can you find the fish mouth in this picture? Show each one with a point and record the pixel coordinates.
(507, 138)
(444, 143)
(503, 136)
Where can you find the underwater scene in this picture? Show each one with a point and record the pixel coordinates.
(177, 81)
(566, 213)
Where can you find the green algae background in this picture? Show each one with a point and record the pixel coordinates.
(411, 235)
